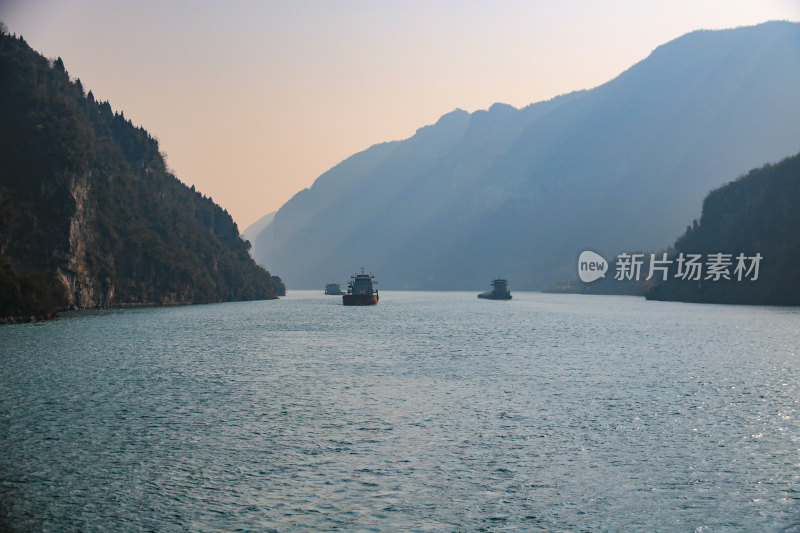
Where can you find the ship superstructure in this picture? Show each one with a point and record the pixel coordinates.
(361, 290)
(499, 291)
(333, 289)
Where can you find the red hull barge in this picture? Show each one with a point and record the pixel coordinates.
(360, 290)
(360, 299)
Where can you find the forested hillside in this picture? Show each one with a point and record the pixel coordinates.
(757, 214)
(89, 213)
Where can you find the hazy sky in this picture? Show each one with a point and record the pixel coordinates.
(253, 100)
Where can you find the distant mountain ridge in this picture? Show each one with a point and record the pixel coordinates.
(89, 214)
(522, 192)
(252, 231)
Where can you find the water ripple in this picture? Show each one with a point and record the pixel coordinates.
(429, 412)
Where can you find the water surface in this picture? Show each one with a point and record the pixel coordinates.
(428, 412)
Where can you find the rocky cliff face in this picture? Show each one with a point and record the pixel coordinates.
(89, 214)
(73, 273)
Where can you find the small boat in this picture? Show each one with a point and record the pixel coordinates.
(360, 290)
(499, 291)
(333, 289)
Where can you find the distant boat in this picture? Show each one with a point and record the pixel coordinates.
(333, 289)
(499, 291)
(360, 290)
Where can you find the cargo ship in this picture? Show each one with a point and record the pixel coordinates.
(499, 291)
(360, 290)
(333, 289)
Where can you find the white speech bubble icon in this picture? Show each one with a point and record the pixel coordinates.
(591, 266)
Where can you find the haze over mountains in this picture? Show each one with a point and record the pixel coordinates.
(251, 233)
(522, 192)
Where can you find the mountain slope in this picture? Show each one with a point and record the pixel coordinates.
(90, 215)
(757, 214)
(522, 192)
(255, 228)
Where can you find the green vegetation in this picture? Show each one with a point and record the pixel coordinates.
(758, 213)
(90, 215)
(33, 296)
(280, 288)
